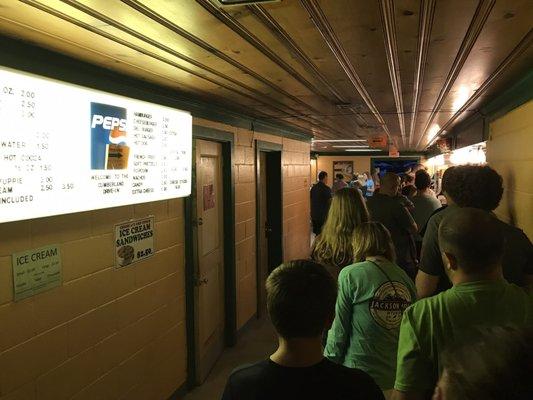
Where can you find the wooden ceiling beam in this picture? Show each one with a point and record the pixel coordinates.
(285, 39)
(427, 13)
(158, 18)
(476, 26)
(326, 30)
(388, 24)
(248, 36)
(522, 46)
(272, 102)
(279, 107)
(238, 28)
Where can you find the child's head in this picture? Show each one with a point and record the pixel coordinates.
(372, 239)
(301, 299)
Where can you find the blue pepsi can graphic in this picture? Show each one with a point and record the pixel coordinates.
(109, 145)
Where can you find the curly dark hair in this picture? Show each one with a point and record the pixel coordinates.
(473, 186)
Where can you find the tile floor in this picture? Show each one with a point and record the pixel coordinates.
(256, 343)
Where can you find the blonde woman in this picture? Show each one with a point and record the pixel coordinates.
(373, 293)
(333, 248)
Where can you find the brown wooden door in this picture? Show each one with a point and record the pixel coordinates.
(210, 253)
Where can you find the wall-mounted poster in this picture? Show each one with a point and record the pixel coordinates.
(65, 148)
(134, 241)
(35, 271)
(343, 167)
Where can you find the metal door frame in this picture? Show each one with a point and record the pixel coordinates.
(261, 146)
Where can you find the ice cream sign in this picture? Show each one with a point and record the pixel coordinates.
(108, 151)
(134, 241)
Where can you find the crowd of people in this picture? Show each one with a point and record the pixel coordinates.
(402, 298)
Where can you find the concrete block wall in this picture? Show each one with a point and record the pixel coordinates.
(509, 151)
(111, 333)
(245, 225)
(106, 333)
(296, 204)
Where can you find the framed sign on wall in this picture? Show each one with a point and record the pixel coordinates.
(343, 167)
(66, 148)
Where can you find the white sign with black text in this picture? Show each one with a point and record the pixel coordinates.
(65, 148)
(134, 241)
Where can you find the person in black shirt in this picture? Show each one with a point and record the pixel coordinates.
(301, 299)
(478, 187)
(320, 199)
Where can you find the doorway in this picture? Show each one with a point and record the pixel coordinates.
(269, 215)
(210, 253)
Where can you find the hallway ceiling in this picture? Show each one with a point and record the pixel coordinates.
(340, 69)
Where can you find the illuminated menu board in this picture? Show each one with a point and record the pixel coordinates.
(65, 149)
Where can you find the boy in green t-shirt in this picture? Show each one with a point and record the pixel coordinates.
(472, 242)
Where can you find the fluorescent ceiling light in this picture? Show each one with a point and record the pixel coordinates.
(351, 147)
(339, 140)
(433, 132)
(362, 150)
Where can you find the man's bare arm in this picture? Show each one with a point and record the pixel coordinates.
(426, 284)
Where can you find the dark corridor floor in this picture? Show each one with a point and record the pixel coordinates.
(257, 342)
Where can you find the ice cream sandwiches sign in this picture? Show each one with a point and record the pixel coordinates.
(134, 241)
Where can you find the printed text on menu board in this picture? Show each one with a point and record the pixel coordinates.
(65, 149)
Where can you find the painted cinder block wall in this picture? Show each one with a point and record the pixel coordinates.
(105, 332)
(296, 204)
(509, 151)
(111, 333)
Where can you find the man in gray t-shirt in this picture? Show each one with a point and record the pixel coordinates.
(425, 201)
(386, 207)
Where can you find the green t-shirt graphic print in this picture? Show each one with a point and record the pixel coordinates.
(369, 310)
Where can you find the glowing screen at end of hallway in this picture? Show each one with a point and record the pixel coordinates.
(65, 149)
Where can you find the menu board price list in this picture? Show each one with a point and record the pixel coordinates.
(65, 148)
(22, 101)
(47, 183)
(27, 104)
(24, 150)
